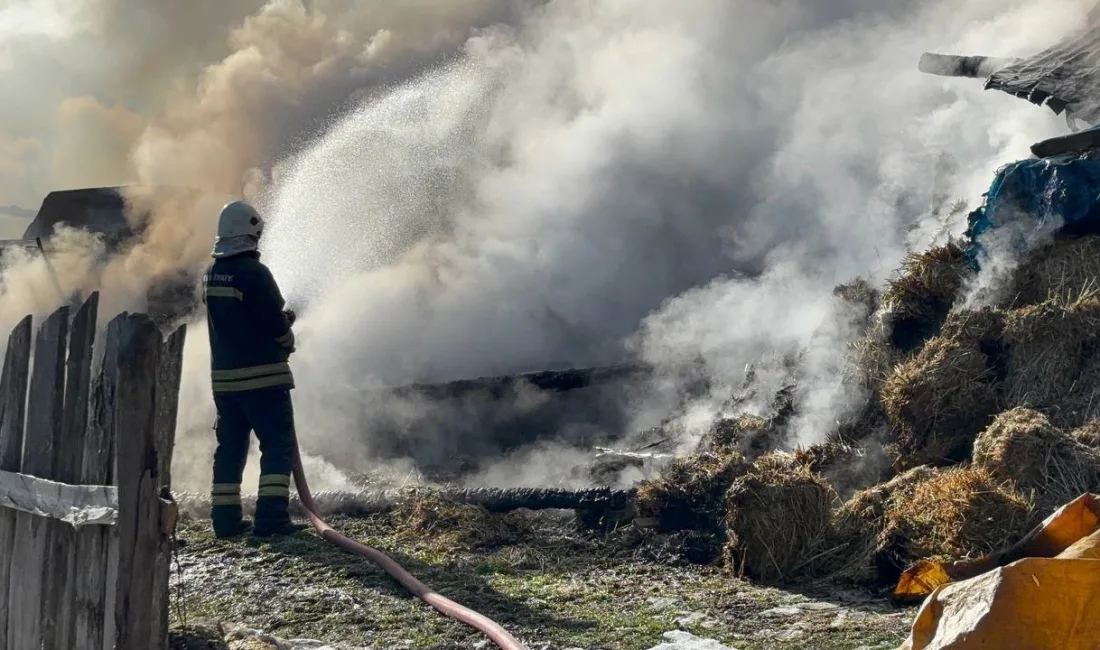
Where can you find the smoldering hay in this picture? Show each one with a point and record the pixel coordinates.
(459, 190)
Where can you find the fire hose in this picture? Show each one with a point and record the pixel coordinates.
(487, 626)
(490, 628)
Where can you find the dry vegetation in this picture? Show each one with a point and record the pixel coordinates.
(428, 515)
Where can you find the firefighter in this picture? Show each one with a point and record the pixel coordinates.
(250, 344)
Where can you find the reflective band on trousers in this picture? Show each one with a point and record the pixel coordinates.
(225, 494)
(284, 379)
(266, 376)
(250, 372)
(274, 485)
(223, 292)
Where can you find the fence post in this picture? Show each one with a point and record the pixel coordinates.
(13, 403)
(62, 583)
(168, 389)
(44, 415)
(140, 536)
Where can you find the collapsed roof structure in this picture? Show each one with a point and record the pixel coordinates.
(1064, 77)
(108, 213)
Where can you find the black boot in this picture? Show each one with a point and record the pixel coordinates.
(228, 521)
(273, 518)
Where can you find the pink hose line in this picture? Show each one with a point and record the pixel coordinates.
(445, 606)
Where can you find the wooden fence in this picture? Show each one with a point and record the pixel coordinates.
(86, 514)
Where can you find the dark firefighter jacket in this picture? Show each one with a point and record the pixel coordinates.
(250, 336)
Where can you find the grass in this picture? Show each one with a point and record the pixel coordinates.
(557, 589)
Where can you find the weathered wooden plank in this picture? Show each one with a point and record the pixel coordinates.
(13, 396)
(77, 387)
(139, 531)
(47, 397)
(169, 373)
(44, 415)
(93, 625)
(13, 403)
(60, 587)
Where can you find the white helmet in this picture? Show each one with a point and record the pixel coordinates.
(240, 227)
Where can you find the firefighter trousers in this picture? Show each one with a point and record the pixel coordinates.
(270, 414)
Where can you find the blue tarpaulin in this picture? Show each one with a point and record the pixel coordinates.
(1038, 195)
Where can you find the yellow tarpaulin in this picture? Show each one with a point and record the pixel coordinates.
(1041, 594)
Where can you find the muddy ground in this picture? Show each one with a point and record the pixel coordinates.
(552, 585)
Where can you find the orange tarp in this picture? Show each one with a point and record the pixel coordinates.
(1041, 594)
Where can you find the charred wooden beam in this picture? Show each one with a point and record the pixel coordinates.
(366, 502)
(555, 381)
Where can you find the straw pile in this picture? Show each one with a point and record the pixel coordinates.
(845, 466)
(872, 358)
(1050, 348)
(938, 402)
(937, 378)
(428, 517)
(778, 521)
(1065, 267)
(1045, 462)
(858, 293)
(690, 493)
(731, 434)
(1088, 435)
(958, 513)
(928, 513)
(862, 522)
(862, 300)
(919, 300)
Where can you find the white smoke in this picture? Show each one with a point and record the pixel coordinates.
(693, 178)
(584, 183)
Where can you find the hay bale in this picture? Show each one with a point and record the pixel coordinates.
(428, 517)
(1050, 347)
(1064, 268)
(938, 402)
(749, 435)
(919, 300)
(730, 434)
(1022, 446)
(860, 523)
(777, 521)
(928, 513)
(1088, 434)
(870, 505)
(957, 513)
(690, 492)
(871, 358)
(846, 467)
(858, 293)
(975, 327)
(860, 300)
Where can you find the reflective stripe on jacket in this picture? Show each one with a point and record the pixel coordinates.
(250, 336)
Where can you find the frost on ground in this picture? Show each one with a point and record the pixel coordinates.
(552, 585)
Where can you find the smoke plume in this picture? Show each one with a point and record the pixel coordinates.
(492, 187)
